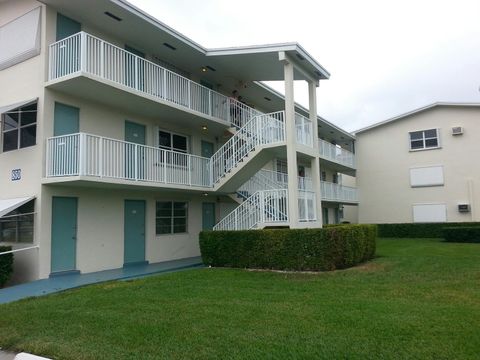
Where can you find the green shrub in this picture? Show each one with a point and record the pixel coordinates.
(284, 249)
(418, 230)
(462, 234)
(6, 265)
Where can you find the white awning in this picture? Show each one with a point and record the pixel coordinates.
(4, 109)
(7, 205)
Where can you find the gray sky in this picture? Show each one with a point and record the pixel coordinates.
(386, 57)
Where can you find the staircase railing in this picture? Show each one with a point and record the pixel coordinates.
(261, 130)
(267, 206)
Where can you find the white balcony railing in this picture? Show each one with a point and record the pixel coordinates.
(306, 206)
(338, 193)
(90, 155)
(336, 154)
(84, 53)
(304, 132)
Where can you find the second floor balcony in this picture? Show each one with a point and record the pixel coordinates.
(336, 154)
(85, 54)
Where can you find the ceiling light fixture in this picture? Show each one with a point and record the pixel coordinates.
(204, 128)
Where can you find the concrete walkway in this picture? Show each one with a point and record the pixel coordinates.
(7, 355)
(65, 282)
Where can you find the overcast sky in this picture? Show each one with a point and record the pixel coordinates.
(385, 57)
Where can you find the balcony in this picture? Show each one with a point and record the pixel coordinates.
(303, 128)
(87, 55)
(336, 154)
(104, 159)
(338, 193)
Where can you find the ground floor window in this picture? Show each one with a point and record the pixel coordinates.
(17, 225)
(171, 217)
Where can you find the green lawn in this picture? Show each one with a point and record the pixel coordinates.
(419, 299)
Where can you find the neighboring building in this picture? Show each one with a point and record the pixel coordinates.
(419, 167)
(122, 139)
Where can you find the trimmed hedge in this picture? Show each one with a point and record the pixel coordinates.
(6, 265)
(290, 249)
(470, 234)
(418, 230)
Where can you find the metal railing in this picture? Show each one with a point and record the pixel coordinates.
(267, 206)
(304, 132)
(336, 154)
(306, 206)
(84, 154)
(88, 54)
(338, 193)
(261, 130)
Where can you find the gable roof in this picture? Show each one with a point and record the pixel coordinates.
(413, 112)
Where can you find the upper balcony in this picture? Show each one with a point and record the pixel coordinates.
(339, 157)
(81, 58)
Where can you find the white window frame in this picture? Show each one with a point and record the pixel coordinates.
(172, 217)
(157, 139)
(424, 139)
(20, 127)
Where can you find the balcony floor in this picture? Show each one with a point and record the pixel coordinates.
(121, 97)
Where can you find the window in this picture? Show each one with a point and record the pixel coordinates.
(282, 170)
(171, 217)
(323, 176)
(425, 139)
(19, 127)
(17, 225)
(170, 141)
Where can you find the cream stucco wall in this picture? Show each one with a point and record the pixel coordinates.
(22, 82)
(384, 161)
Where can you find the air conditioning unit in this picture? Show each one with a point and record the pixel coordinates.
(457, 130)
(463, 208)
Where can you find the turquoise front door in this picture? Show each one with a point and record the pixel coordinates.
(66, 27)
(208, 216)
(207, 149)
(134, 232)
(66, 120)
(134, 134)
(64, 234)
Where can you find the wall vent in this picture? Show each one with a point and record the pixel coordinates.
(457, 130)
(463, 208)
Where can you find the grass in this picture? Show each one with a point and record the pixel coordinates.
(419, 299)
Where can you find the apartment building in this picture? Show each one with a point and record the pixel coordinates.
(417, 167)
(121, 139)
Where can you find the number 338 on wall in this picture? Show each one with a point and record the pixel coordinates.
(16, 174)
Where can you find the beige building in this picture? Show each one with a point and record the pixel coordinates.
(121, 139)
(418, 167)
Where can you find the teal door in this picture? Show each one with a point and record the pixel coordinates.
(207, 149)
(66, 27)
(64, 234)
(134, 69)
(208, 216)
(66, 119)
(325, 216)
(134, 134)
(134, 232)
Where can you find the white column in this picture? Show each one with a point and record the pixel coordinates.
(292, 167)
(315, 162)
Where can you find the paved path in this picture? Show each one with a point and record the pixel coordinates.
(65, 282)
(6, 355)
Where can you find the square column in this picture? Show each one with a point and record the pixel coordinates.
(315, 162)
(290, 140)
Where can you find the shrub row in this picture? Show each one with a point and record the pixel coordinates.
(418, 230)
(6, 265)
(285, 249)
(462, 234)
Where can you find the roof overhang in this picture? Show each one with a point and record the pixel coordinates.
(413, 112)
(143, 31)
(8, 205)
